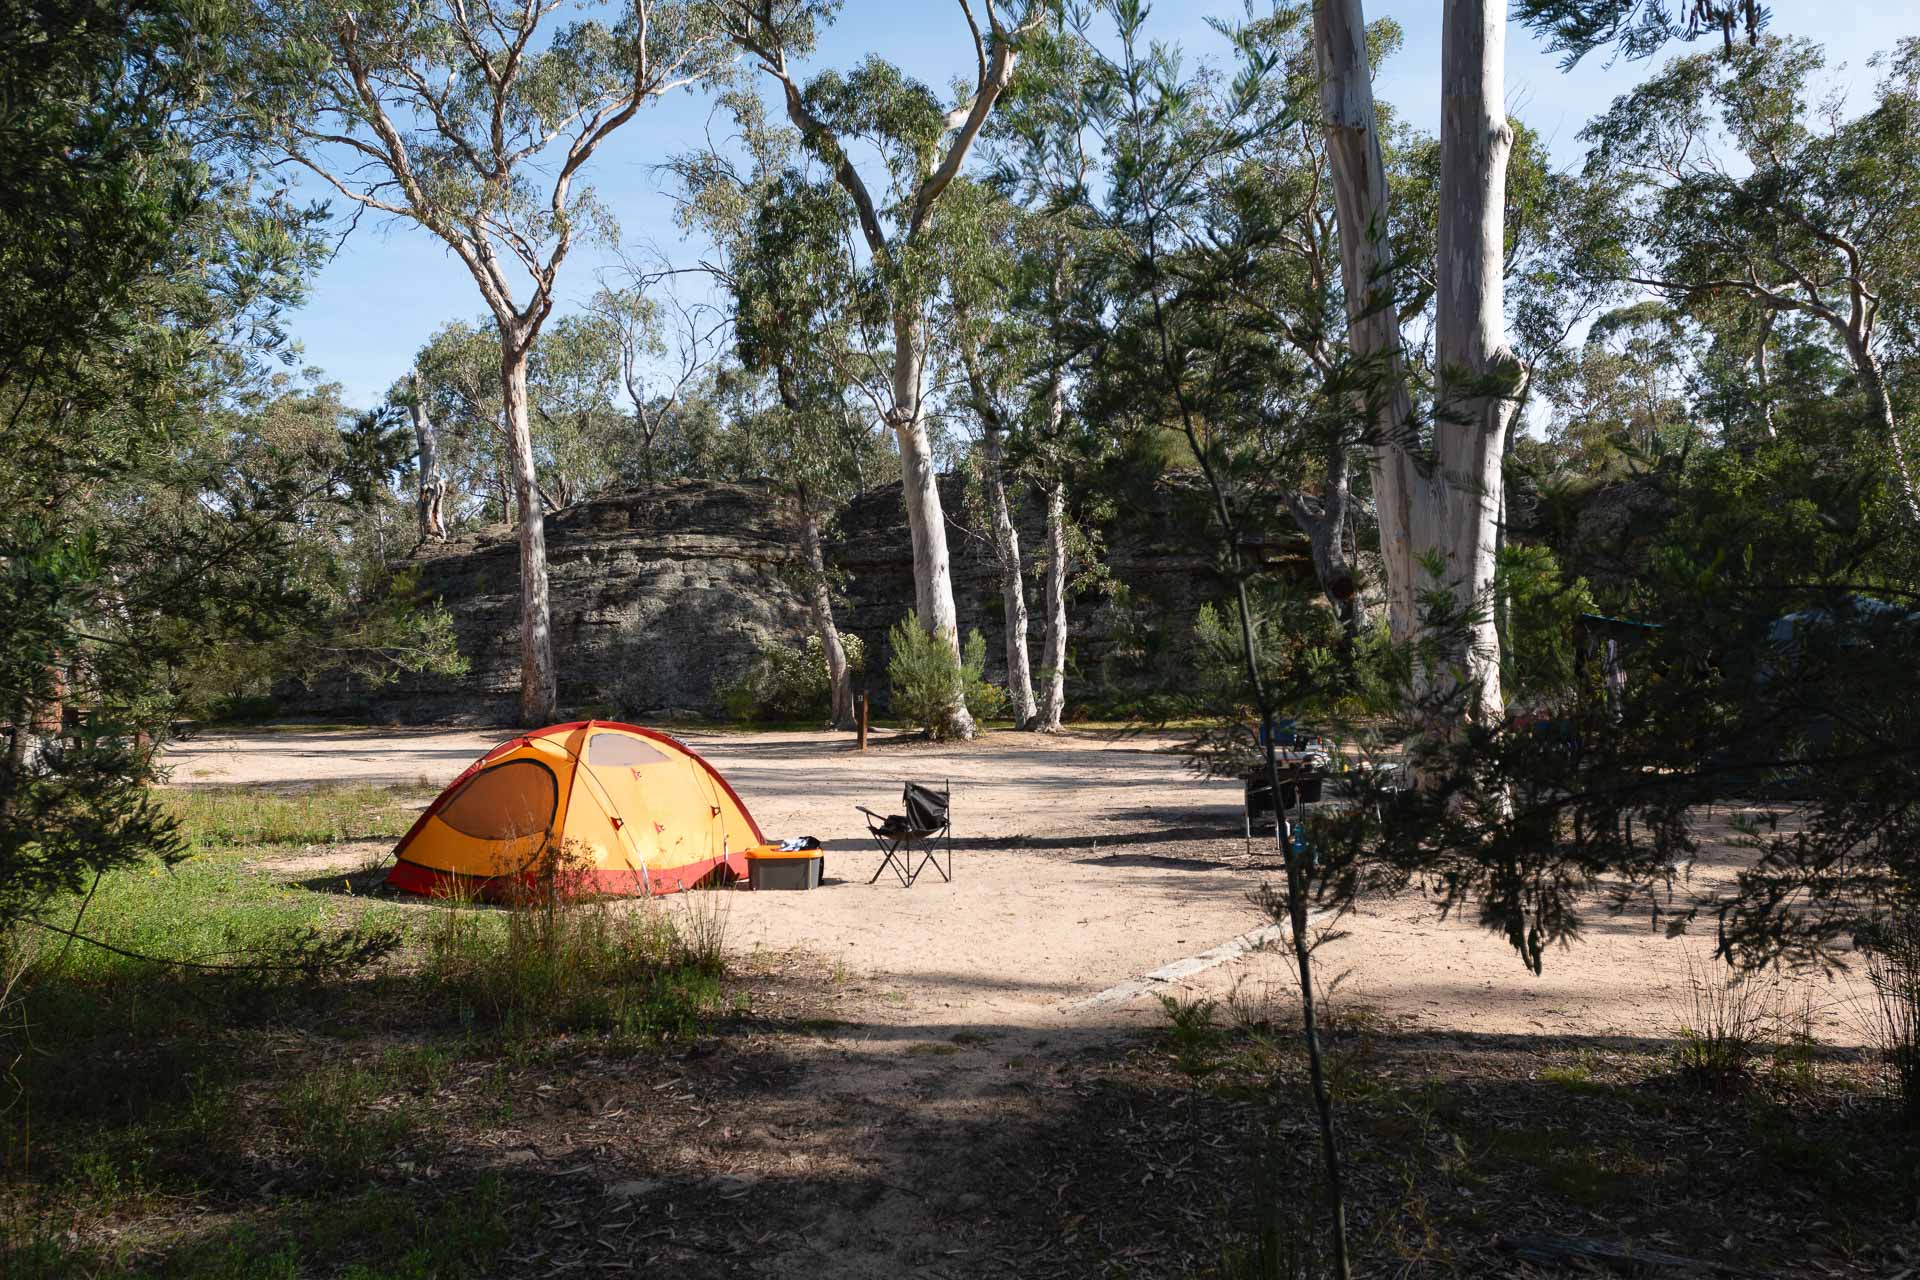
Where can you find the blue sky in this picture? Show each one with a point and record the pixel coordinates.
(391, 284)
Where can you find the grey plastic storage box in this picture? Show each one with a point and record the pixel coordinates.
(798, 870)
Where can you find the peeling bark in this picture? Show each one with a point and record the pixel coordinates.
(820, 601)
(1053, 652)
(1013, 594)
(1360, 203)
(1479, 375)
(539, 694)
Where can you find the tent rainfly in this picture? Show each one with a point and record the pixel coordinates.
(635, 811)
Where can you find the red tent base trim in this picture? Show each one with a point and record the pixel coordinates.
(411, 877)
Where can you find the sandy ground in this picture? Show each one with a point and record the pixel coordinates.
(1082, 863)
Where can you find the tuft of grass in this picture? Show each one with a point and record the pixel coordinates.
(213, 819)
(551, 960)
(1195, 1033)
(1893, 969)
(1726, 1016)
(1575, 1078)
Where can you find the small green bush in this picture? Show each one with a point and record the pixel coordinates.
(1536, 654)
(791, 682)
(924, 674)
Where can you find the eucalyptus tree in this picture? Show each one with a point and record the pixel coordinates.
(455, 382)
(430, 481)
(579, 433)
(1050, 306)
(476, 121)
(665, 348)
(807, 324)
(993, 349)
(922, 147)
(1623, 395)
(1438, 506)
(1749, 193)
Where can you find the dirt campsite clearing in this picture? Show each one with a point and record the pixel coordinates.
(981, 1077)
(1084, 864)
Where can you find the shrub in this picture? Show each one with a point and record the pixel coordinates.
(791, 682)
(923, 674)
(986, 701)
(1537, 659)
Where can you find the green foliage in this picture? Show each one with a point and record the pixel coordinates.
(925, 676)
(1638, 28)
(1310, 672)
(1765, 238)
(555, 960)
(792, 683)
(986, 701)
(1194, 1032)
(145, 281)
(1536, 653)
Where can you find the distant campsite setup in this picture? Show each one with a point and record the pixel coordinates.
(985, 640)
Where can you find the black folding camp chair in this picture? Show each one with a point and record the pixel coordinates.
(926, 824)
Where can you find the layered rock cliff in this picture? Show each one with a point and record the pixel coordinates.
(664, 598)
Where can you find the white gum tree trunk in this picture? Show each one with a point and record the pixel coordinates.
(1875, 381)
(926, 517)
(820, 599)
(433, 488)
(1013, 587)
(539, 691)
(1360, 202)
(1053, 652)
(1479, 376)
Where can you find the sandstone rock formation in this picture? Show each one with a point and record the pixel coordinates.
(665, 597)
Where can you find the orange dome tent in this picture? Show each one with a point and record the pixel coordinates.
(641, 811)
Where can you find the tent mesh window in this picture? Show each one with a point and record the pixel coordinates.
(503, 803)
(620, 751)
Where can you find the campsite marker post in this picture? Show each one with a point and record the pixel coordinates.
(863, 719)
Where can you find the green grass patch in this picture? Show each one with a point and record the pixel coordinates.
(621, 968)
(335, 1127)
(227, 1048)
(373, 1235)
(1575, 1078)
(221, 818)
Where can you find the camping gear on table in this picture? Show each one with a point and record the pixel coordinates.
(1301, 771)
(924, 823)
(791, 864)
(597, 806)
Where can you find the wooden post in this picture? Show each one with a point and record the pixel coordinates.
(863, 719)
